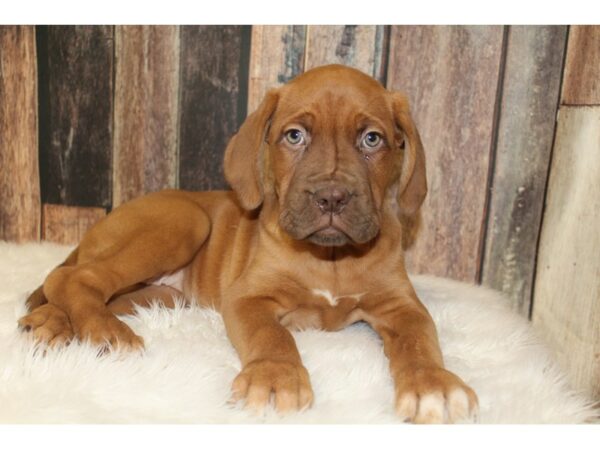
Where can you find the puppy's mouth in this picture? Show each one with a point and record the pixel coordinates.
(329, 230)
(329, 236)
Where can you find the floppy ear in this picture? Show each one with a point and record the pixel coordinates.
(412, 187)
(242, 163)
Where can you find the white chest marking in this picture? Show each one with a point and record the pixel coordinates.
(333, 300)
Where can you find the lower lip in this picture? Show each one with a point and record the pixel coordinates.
(329, 231)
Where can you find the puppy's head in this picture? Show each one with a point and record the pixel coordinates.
(336, 151)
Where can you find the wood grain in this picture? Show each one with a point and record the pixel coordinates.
(276, 56)
(525, 133)
(214, 82)
(146, 101)
(358, 46)
(19, 176)
(581, 85)
(450, 74)
(566, 305)
(67, 224)
(76, 104)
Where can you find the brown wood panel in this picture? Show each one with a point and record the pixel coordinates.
(358, 46)
(450, 74)
(146, 100)
(19, 176)
(76, 105)
(581, 85)
(67, 224)
(214, 83)
(529, 101)
(276, 56)
(566, 306)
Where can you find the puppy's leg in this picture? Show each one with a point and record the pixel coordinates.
(37, 297)
(140, 240)
(125, 303)
(425, 391)
(270, 360)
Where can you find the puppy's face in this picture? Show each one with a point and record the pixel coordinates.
(333, 152)
(334, 149)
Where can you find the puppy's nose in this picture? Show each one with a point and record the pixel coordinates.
(332, 199)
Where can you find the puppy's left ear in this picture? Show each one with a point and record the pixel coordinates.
(412, 187)
(242, 164)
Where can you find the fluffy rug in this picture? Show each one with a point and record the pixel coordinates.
(186, 371)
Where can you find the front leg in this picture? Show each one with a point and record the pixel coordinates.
(425, 391)
(270, 360)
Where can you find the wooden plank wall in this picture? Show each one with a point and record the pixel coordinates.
(528, 105)
(566, 305)
(19, 176)
(146, 110)
(126, 110)
(450, 75)
(214, 80)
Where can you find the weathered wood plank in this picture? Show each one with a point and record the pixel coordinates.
(214, 82)
(19, 175)
(276, 56)
(146, 100)
(67, 224)
(358, 46)
(566, 304)
(450, 75)
(76, 98)
(581, 85)
(525, 132)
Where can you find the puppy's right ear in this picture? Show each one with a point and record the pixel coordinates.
(243, 155)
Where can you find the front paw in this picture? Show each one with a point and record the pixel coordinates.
(289, 382)
(49, 324)
(434, 395)
(108, 332)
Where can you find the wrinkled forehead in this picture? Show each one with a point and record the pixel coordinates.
(332, 97)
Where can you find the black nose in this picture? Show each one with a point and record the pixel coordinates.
(332, 199)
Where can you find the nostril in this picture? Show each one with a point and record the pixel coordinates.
(323, 202)
(332, 199)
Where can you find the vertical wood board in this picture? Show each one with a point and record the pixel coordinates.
(276, 56)
(450, 75)
(146, 100)
(67, 224)
(581, 85)
(214, 81)
(19, 175)
(358, 46)
(76, 107)
(566, 305)
(528, 108)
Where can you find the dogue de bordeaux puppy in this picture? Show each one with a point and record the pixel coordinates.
(323, 173)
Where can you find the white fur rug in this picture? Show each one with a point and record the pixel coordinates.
(185, 374)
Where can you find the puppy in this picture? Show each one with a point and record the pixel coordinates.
(323, 173)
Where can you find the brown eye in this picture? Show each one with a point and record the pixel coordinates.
(371, 141)
(294, 136)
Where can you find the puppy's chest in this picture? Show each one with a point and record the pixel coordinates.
(324, 309)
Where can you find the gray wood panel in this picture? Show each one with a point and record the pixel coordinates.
(530, 94)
